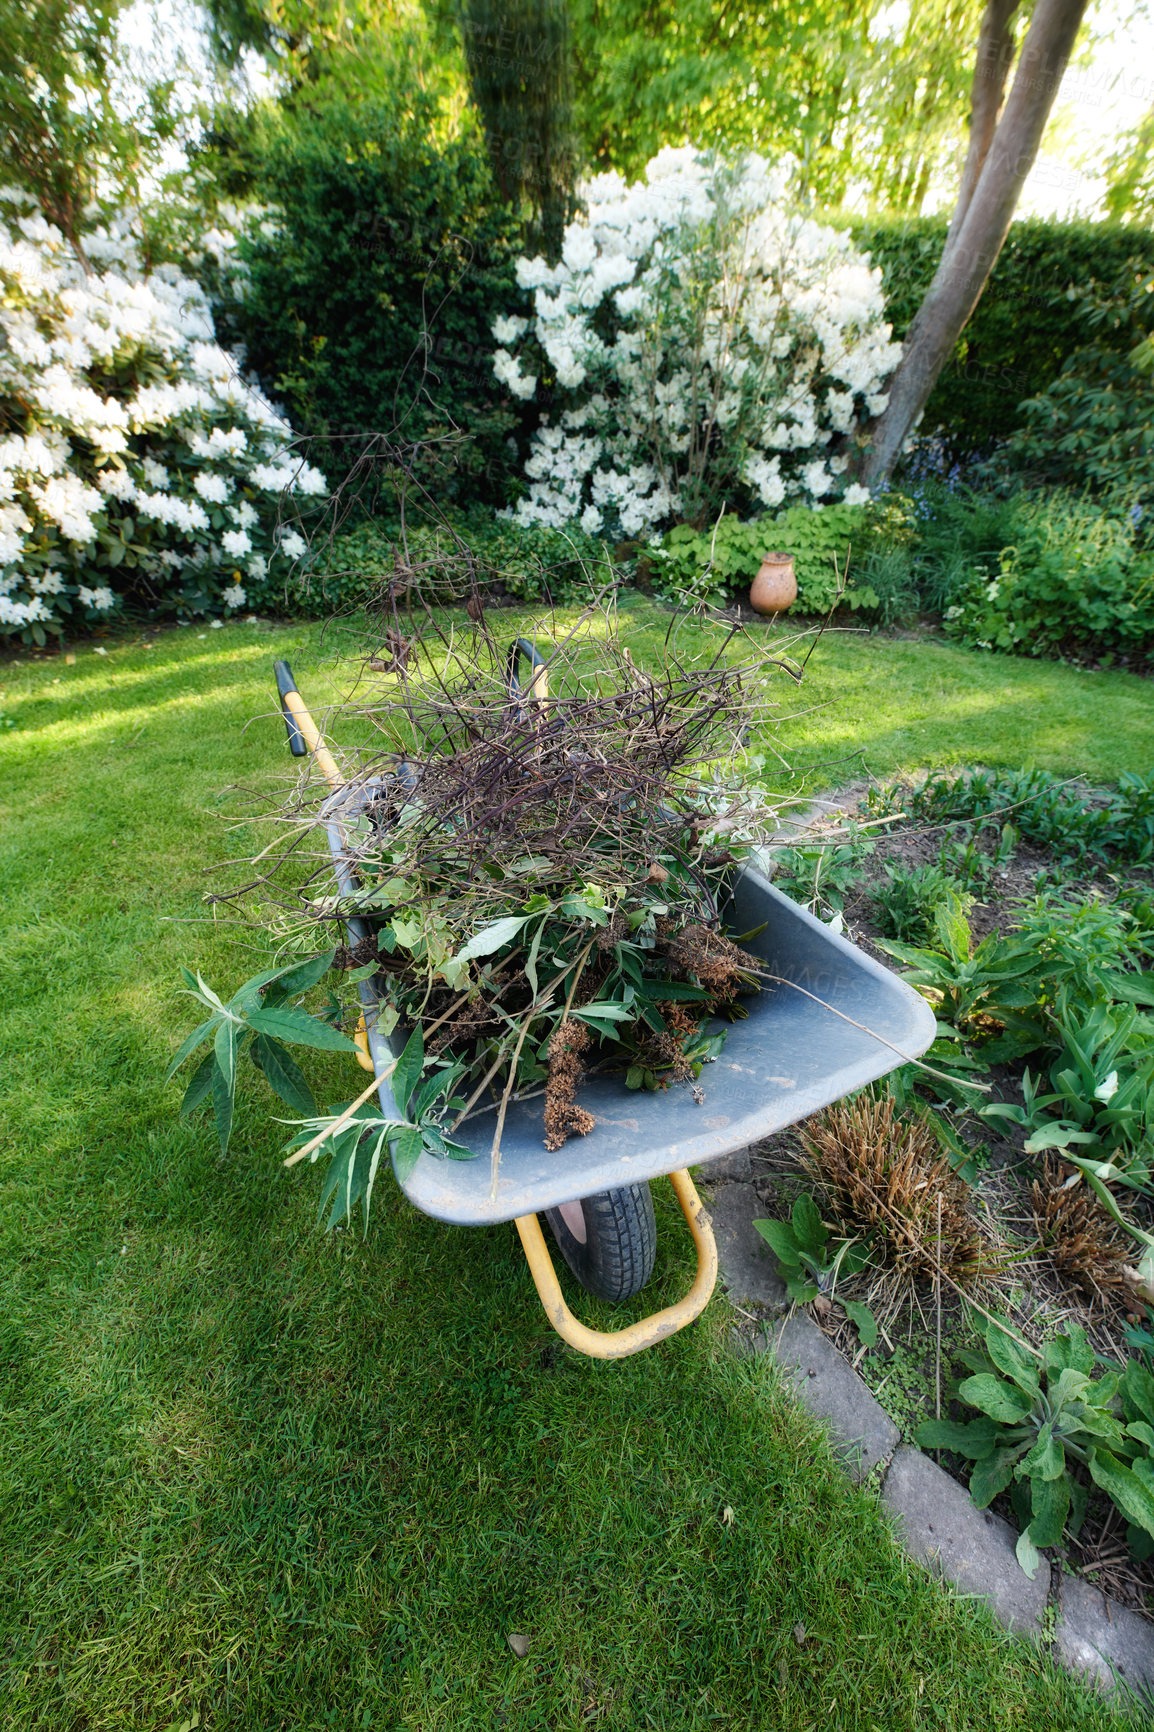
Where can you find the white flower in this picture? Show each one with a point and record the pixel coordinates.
(234, 596)
(591, 520)
(292, 545)
(156, 474)
(508, 371)
(236, 542)
(736, 323)
(211, 487)
(1108, 1089)
(507, 330)
(216, 624)
(856, 494)
(99, 599)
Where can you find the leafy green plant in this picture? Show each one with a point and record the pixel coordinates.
(829, 549)
(888, 573)
(1038, 1417)
(1105, 823)
(358, 1141)
(1094, 424)
(438, 562)
(820, 875)
(908, 899)
(1073, 580)
(379, 239)
(964, 978)
(812, 1261)
(258, 1020)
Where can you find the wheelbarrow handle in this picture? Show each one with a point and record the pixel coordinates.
(284, 685)
(303, 734)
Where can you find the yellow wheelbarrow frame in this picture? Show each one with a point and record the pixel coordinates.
(596, 1343)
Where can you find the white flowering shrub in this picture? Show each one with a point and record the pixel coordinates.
(709, 346)
(134, 462)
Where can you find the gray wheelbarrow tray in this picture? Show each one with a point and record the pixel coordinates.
(796, 1051)
(832, 1021)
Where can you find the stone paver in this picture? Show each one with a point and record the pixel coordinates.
(862, 1431)
(745, 1260)
(972, 1548)
(1102, 1638)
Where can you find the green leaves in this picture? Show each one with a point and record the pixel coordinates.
(300, 1028)
(491, 938)
(810, 1263)
(256, 1016)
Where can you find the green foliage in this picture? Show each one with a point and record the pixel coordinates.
(820, 874)
(826, 546)
(1040, 1416)
(1074, 580)
(910, 897)
(1095, 423)
(811, 1260)
(961, 532)
(525, 562)
(368, 288)
(259, 1018)
(1106, 825)
(1028, 321)
(881, 109)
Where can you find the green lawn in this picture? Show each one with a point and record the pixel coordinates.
(285, 1481)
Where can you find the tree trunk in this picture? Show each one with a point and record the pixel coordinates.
(995, 57)
(1000, 157)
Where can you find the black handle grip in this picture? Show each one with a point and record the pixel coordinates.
(285, 684)
(523, 646)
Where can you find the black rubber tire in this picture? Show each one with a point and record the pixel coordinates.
(620, 1246)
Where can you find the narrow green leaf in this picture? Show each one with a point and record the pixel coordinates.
(222, 1099)
(407, 1145)
(200, 1085)
(409, 1067)
(285, 1076)
(300, 1028)
(189, 1046)
(491, 938)
(225, 1047)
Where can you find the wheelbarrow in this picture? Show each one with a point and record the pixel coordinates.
(835, 1020)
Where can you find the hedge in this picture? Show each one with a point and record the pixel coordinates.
(1024, 325)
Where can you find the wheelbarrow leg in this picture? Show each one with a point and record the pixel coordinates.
(620, 1343)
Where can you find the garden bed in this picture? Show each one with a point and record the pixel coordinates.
(1052, 1260)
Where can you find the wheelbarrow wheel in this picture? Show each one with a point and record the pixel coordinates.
(609, 1240)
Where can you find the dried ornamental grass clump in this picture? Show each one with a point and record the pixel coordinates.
(884, 1172)
(1078, 1237)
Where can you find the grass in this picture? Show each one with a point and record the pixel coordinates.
(284, 1481)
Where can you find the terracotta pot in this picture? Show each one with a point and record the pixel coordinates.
(775, 586)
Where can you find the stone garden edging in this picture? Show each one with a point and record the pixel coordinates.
(934, 1519)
